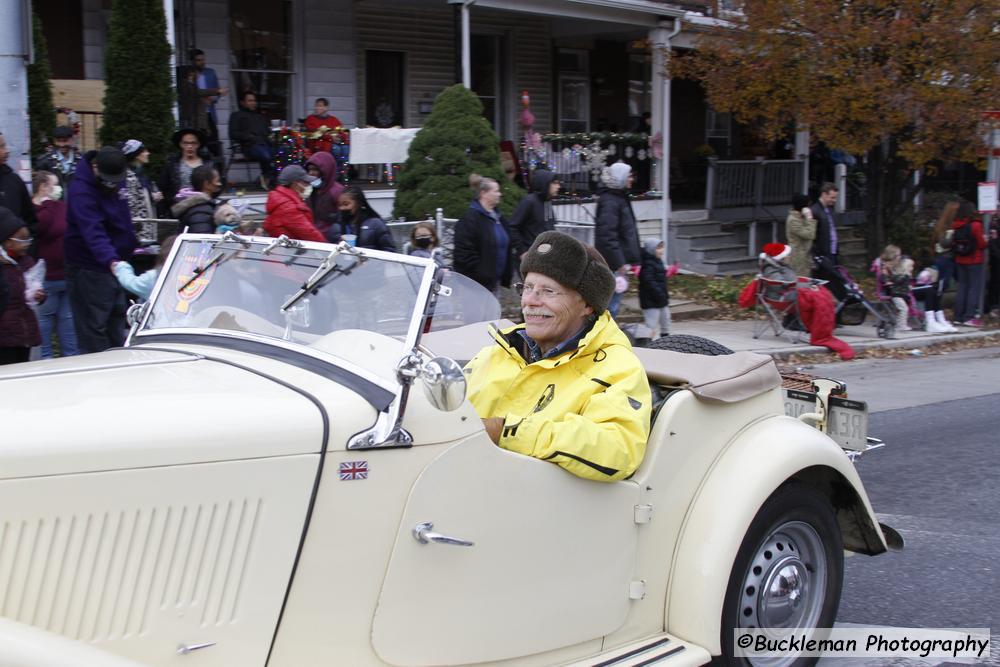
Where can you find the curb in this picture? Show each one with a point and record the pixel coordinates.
(918, 342)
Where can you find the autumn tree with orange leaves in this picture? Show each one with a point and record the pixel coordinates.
(901, 81)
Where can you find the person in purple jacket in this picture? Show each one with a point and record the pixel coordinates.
(99, 234)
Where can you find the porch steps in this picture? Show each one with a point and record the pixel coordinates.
(711, 247)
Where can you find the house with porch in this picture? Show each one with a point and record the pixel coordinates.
(588, 67)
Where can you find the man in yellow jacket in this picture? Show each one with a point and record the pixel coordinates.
(565, 386)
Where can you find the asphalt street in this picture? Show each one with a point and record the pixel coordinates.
(938, 483)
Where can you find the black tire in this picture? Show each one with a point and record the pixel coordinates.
(689, 345)
(795, 531)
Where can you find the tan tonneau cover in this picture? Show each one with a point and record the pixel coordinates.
(727, 378)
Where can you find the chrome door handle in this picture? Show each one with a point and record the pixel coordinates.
(422, 533)
(184, 649)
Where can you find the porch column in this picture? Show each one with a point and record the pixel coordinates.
(802, 153)
(15, 53)
(168, 11)
(660, 40)
(466, 53)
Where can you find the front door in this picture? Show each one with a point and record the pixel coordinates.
(550, 567)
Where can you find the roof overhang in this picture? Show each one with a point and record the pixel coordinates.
(644, 13)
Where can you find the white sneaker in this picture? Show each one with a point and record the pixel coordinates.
(931, 325)
(948, 326)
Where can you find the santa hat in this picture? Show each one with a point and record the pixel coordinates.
(776, 251)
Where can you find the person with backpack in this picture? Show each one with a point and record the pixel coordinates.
(967, 244)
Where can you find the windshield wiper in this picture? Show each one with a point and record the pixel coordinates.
(219, 257)
(325, 273)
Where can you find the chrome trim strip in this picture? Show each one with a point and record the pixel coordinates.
(189, 356)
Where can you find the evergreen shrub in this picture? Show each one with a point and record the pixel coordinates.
(455, 142)
(41, 109)
(139, 98)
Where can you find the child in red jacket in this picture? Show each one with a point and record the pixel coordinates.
(18, 324)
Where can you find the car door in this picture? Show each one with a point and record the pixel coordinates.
(550, 566)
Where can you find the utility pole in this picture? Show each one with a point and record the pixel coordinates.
(992, 121)
(15, 54)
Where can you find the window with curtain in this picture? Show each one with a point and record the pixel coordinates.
(260, 47)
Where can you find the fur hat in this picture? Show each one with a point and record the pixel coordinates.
(573, 265)
(776, 251)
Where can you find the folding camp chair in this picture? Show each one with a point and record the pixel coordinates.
(776, 307)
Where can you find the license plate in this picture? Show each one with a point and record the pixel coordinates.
(847, 422)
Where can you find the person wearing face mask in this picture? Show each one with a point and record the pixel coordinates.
(18, 325)
(324, 199)
(287, 210)
(55, 315)
(357, 217)
(196, 211)
(424, 243)
(99, 234)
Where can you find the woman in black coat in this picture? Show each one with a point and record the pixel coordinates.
(615, 234)
(482, 240)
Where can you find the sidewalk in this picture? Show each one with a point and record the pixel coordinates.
(737, 336)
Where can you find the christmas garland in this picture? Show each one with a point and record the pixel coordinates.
(589, 138)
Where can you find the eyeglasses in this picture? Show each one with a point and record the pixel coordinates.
(543, 293)
(26, 241)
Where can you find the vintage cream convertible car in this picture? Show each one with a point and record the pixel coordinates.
(279, 469)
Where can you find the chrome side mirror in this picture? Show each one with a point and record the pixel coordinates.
(444, 383)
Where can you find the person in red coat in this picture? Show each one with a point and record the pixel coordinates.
(287, 210)
(321, 117)
(968, 250)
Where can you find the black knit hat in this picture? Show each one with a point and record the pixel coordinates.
(571, 264)
(9, 224)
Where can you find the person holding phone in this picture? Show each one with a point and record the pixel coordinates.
(800, 230)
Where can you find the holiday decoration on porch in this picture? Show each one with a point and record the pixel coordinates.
(289, 148)
(455, 142)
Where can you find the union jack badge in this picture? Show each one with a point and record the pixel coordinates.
(353, 470)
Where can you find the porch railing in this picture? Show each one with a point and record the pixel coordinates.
(752, 183)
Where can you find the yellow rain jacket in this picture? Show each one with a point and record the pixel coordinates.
(588, 410)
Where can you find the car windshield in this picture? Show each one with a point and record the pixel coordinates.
(304, 292)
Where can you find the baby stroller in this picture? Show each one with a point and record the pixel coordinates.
(852, 306)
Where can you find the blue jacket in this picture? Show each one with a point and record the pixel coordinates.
(98, 224)
(211, 81)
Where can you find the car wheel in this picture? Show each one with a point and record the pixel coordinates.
(788, 573)
(689, 345)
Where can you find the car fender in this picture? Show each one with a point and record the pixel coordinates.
(756, 462)
(28, 646)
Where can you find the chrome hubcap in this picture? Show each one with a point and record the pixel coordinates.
(785, 585)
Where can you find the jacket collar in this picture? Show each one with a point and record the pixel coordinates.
(604, 331)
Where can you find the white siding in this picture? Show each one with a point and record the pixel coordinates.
(427, 36)
(328, 70)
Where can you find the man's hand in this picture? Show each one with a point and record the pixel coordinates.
(494, 427)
